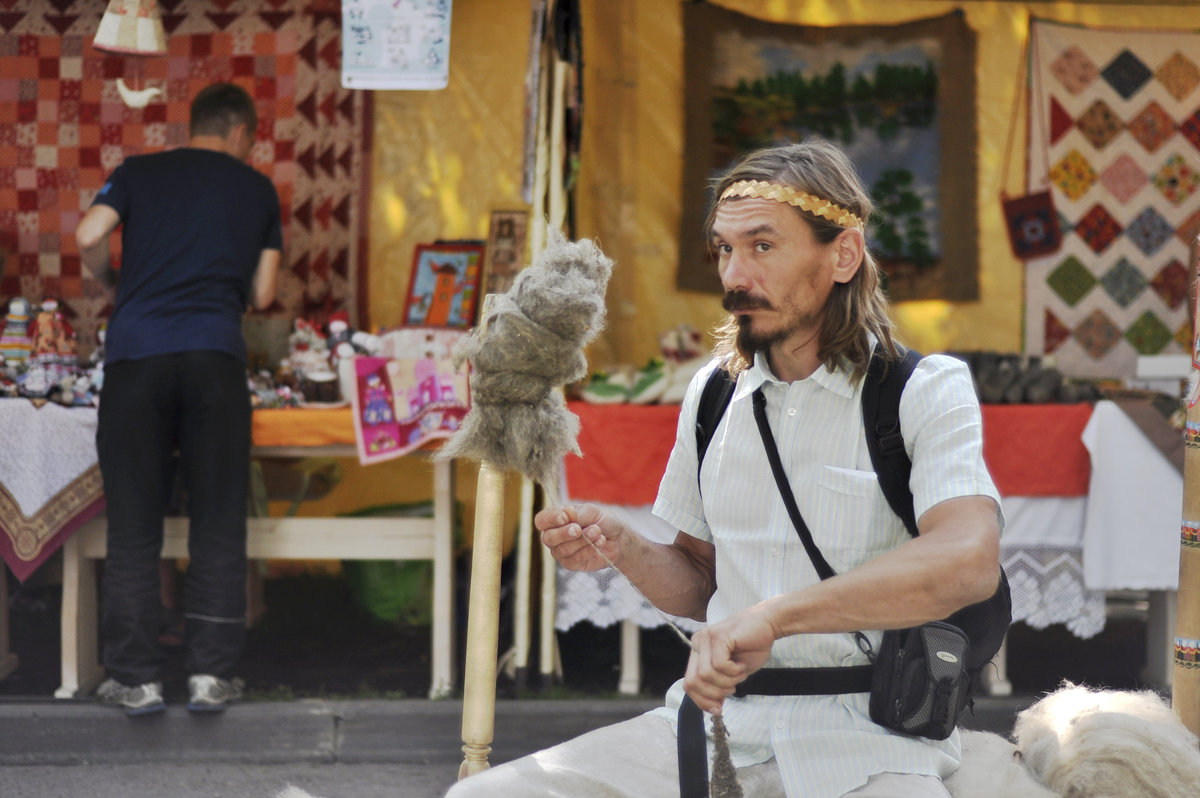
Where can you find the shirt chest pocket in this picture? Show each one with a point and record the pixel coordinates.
(851, 521)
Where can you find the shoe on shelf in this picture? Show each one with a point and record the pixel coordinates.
(141, 699)
(650, 382)
(607, 388)
(207, 693)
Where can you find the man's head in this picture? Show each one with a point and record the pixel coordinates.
(788, 229)
(227, 112)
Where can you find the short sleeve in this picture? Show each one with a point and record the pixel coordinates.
(115, 193)
(679, 502)
(943, 432)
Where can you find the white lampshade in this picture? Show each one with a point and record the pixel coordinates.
(131, 26)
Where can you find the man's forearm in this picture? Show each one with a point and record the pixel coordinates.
(671, 577)
(98, 261)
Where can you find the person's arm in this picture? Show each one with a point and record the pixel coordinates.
(265, 277)
(678, 578)
(954, 562)
(92, 237)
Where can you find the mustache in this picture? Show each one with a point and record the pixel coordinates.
(733, 301)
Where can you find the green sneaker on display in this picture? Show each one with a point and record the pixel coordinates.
(607, 389)
(650, 383)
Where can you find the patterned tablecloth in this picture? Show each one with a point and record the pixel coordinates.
(1079, 519)
(49, 479)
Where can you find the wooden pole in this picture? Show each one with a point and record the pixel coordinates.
(483, 623)
(521, 619)
(1185, 690)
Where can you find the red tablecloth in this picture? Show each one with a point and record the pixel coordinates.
(1031, 450)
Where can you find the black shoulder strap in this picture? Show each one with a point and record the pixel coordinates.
(885, 441)
(715, 397)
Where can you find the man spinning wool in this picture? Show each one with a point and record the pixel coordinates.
(807, 313)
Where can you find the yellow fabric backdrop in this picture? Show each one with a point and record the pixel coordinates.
(444, 160)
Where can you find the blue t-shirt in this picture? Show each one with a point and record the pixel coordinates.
(195, 224)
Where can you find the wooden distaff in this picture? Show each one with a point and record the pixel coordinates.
(529, 345)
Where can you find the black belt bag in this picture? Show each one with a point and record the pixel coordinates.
(920, 682)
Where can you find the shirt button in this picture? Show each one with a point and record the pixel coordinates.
(791, 411)
(774, 551)
(779, 724)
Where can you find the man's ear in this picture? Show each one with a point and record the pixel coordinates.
(850, 247)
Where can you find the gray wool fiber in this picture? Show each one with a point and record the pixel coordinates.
(531, 342)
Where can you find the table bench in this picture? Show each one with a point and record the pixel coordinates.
(278, 539)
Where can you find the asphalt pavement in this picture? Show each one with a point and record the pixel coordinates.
(406, 748)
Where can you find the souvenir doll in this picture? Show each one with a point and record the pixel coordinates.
(52, 341)
(14, 343)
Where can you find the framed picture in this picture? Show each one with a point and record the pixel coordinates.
(506, 249)
(443, 290)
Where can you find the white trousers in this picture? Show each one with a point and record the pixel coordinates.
(637, 758)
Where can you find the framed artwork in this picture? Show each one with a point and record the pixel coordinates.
(443, 290)
(898, 99)
(505, 249)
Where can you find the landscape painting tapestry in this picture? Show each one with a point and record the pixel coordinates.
(899, 99)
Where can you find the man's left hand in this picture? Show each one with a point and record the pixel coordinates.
(724, 654)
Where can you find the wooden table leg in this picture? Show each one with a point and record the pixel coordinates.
(442, 657)
(80, 647)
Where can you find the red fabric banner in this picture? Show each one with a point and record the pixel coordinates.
(1031, 450)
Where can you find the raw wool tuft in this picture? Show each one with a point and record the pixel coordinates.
(531, 342)
(1084, 743)
(724, 782)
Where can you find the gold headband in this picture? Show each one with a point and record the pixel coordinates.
(806, 202)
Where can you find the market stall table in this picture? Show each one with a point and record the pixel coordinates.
(1076, 514)
(277, 433)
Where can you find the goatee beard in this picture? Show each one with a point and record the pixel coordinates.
(750, 342)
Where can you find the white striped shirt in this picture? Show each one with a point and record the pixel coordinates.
(825, 745)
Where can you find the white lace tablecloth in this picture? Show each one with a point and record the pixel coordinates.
(605, 597)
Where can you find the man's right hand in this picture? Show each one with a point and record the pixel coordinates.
(566, 531)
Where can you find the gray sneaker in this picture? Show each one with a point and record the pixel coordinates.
(141, 699)
(211, 693)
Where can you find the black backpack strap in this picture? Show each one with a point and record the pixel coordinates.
(717, 393)
(692, 750)
(882, 388)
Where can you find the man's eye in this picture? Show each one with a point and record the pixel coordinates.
(762, 246)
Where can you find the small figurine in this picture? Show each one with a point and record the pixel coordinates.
(52, 341)
(35, 383)
(14, 342)
(308, 352)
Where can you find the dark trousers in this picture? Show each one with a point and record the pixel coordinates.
(196, 403)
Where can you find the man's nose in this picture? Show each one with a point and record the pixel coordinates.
(734, 273)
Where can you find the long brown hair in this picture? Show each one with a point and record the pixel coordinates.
(855, 308)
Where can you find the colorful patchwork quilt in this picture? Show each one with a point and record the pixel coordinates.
(1115, 135)
(64, 127)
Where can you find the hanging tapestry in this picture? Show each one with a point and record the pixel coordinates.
(899, 99)
(64, 127)
(1114, 128)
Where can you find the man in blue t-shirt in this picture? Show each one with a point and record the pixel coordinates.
(200, 242)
